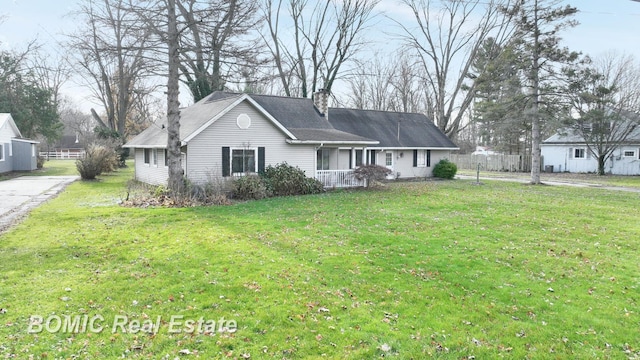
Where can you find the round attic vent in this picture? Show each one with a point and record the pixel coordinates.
(244, 121)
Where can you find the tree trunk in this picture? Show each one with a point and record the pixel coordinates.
(601, 161)
(535, 121)
(176, 183)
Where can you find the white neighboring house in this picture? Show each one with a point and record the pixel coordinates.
(230, 134)
(484, 150)
(16, 152)
(568, 152)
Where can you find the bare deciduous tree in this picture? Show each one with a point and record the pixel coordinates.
(213, 44)
(392, 85)
(446, 39)
(325, 36)
(604, 95)
(111, 52)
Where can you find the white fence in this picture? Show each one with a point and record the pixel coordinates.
(62, 154)
(338, 178)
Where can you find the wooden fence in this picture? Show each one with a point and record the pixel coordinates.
(513, 163)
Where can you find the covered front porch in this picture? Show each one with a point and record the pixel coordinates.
(339, 179)
(335, 166)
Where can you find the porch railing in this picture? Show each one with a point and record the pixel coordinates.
(338, 178)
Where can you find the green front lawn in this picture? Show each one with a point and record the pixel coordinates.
(632, 181)
(50, 168)
(437, 269)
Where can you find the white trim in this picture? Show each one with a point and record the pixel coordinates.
(229, 108)
(25, 140)
(324, 142)
(145, 146)
(154, 157)
(12, 124)
(380, 148)
(2, 151)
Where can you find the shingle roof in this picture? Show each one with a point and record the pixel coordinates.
(300, 118)
(391, 129)
(192, 118)
(568, 136)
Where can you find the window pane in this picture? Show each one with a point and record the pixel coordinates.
(237, 161)
(243, 161)
(358, 157)
(249, 161)
(422, 158)
(389, 159)
(146, 156)
(325, 159)
(322, 159)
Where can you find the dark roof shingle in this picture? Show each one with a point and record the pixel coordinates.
(391, 129)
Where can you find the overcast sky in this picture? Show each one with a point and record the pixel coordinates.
(605, 25)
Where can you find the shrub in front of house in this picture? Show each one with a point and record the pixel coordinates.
(250, 187)
(372, 173)
(445, 169)
(98, 159)
(284, 180)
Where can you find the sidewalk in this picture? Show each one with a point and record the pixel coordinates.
(20, 195)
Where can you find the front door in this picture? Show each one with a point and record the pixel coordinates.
(388, 162)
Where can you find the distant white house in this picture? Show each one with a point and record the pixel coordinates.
(567, 152)
(16, 152)
(228, 135)
(484, 150)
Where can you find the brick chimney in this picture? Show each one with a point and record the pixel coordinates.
(321, 101)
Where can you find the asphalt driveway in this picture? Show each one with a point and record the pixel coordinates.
(19, 195)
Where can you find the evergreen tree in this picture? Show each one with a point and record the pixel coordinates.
(538, 23)
(499, 99)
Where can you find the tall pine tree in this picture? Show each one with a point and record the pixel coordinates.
(538, 23)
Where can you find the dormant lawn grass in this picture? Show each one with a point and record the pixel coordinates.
(50, 168)
(585, 178)
(433, 269)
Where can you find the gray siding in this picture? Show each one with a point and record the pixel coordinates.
(403, 163)
(6, 164)
(149, 173)
(205, 150)
(24, 158)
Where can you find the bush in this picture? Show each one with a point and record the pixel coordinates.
(215, 191)
(40, 162)
(284, 180)
(445, 169)
(372, 173)
(250, 187)
(98, 160)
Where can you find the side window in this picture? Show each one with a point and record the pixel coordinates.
(359, 157)
(388, 159)
(322, 159)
